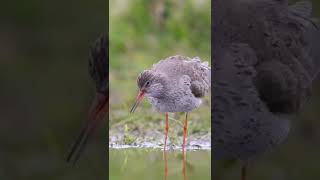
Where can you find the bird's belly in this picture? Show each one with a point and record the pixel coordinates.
(175, 105)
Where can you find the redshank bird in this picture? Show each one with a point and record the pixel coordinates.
(98, 69)
(175, 84)
(266, 58)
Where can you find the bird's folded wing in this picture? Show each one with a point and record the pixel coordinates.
(177, 66)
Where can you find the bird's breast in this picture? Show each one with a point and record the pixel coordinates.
(175, 104)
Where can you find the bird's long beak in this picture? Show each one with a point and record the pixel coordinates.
(138, 100)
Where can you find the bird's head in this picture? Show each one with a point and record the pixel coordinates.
(150, 84)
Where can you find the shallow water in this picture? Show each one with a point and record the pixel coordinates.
(149, 164)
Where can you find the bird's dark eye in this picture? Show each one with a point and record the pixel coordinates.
(148, 83)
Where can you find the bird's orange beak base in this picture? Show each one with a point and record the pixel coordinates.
(138, 100)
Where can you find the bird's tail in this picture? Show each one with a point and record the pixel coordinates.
(97, 113)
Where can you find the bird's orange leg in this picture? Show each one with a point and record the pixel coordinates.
(185, 132)
(166, 132)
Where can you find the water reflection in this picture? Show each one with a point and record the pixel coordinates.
(146, 164)
(184, 163)
(165, 158)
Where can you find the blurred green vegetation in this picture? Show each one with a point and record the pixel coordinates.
(142, 32)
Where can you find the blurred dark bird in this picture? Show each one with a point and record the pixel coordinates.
(266, 58)
(175, 84)
(98, 69)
